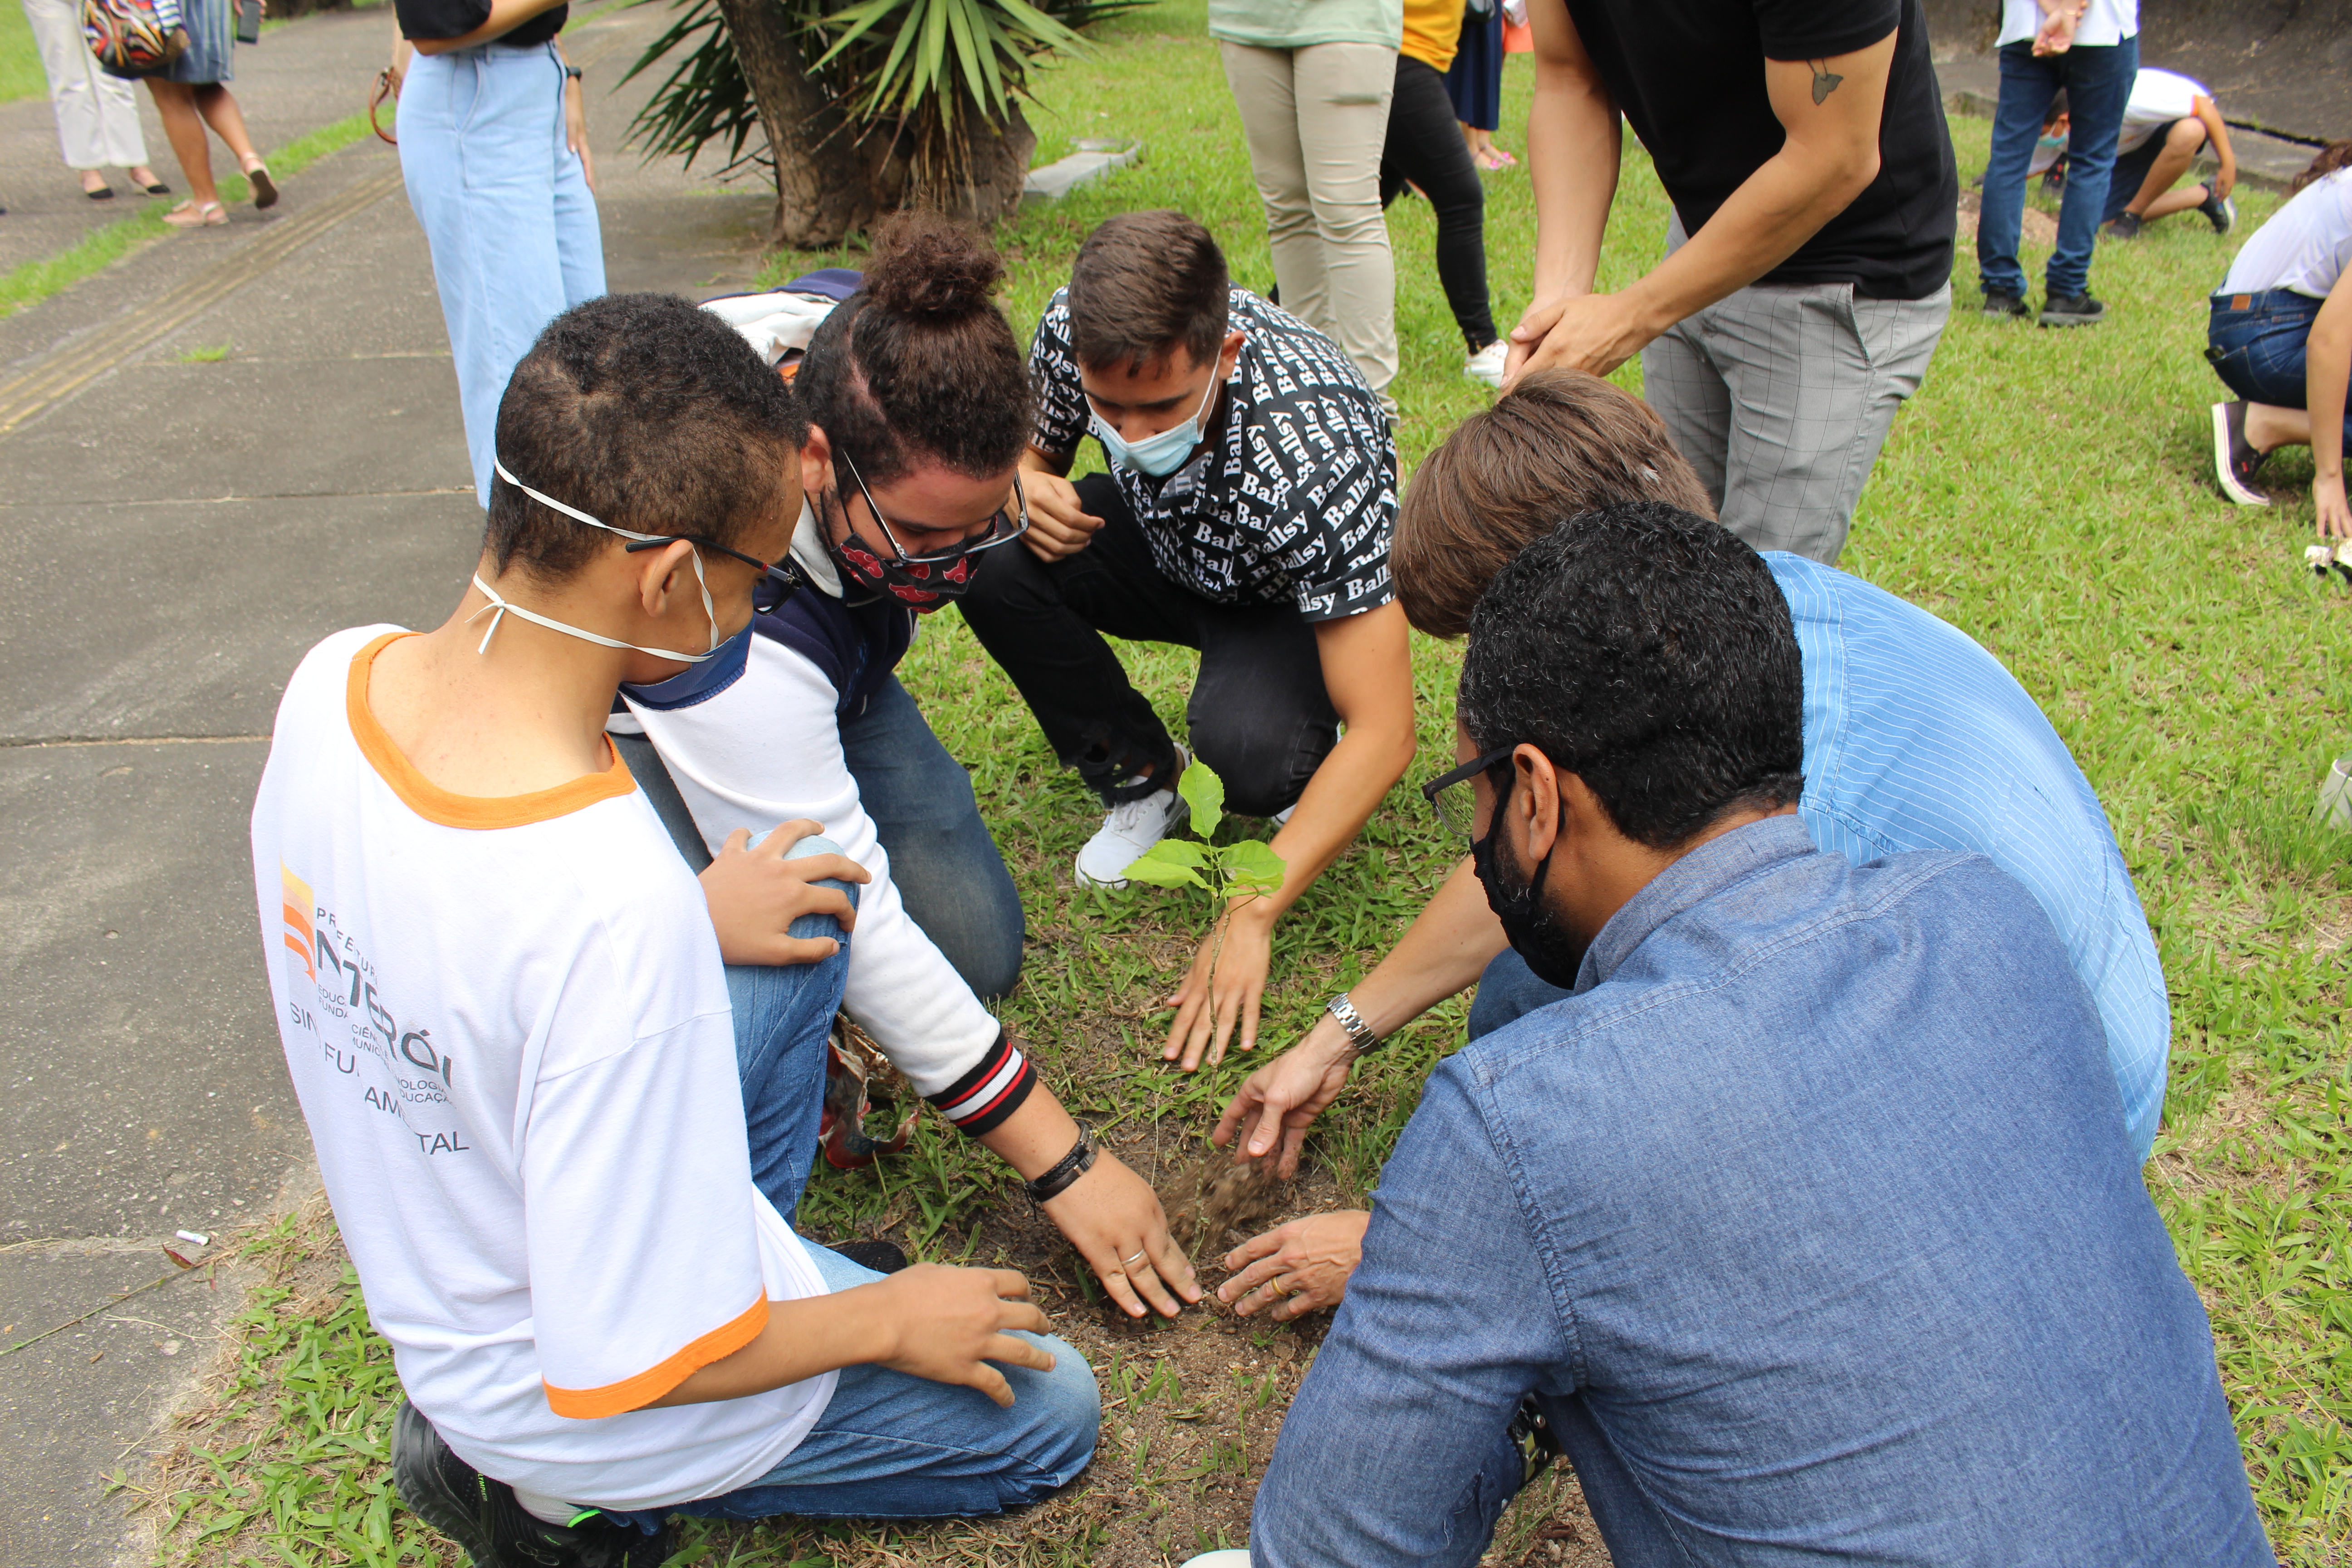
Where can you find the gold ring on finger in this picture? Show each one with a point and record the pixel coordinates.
(1279, 1285)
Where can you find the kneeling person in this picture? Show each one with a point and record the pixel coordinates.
(508, 1018)
(1247, 514)
(1751, 1213)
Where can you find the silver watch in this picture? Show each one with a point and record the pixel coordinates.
(1359, 1032)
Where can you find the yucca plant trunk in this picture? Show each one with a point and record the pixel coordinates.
(832, 181)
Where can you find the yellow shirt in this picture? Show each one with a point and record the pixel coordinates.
(1433, 31)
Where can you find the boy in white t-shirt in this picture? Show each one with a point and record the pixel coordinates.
(505, 1003)
(2169, 120)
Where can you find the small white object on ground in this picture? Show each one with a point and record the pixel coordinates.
(1237, 1558)
(192, 1236)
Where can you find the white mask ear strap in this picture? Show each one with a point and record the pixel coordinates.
(710, 611)
(501, 608)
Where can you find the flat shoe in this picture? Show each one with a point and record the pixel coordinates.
(158, 189)
(103, 193)
(264, 189)
(188, 214)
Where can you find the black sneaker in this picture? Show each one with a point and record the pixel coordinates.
(2003, 305)
(2125, 225)
(2219, 211)
(2072, 310)
(482, 1515)
(880, 1256)
(2235, 462)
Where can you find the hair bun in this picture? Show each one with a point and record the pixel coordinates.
(927, 265)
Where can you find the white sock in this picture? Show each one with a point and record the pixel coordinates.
(546, 1509)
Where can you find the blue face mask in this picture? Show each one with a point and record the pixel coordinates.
(1157, 456)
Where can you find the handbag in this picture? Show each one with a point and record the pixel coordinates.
(134, 38)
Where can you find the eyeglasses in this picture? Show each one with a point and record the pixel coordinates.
(778, 580)
(1004, 527)
(1453, 799)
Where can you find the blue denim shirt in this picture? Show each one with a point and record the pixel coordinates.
(1755, 1214)
(1916, 738)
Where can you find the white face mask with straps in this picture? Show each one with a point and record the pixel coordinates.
(501, 607)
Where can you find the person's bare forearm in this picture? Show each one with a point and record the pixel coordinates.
(1034, 1138)
(1348, 787)
(2327, 370)
(802, 1340)
(1779, 207)
(1447, 948)
(1574, 143)
(505, 16)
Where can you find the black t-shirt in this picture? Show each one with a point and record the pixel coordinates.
(455, 18)
(1689, 75)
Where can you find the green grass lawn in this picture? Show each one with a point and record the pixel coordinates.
(2047, 493)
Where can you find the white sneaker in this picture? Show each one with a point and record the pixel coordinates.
(1226, 1558)
(1486, 365)
(1129, 829)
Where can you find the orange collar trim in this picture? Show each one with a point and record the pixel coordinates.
(431, 802)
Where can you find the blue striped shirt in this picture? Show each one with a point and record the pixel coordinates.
(1916, 738)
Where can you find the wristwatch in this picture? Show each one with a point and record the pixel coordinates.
(1359, 1032)
(572, 73)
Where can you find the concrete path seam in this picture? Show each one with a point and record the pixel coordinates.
(61, 373)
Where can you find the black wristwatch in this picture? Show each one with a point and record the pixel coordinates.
(1066, 1170)
(572, 73)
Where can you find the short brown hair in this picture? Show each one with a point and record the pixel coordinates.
(1558, 443)
(1144, 283)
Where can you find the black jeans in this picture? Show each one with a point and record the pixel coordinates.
(1425, 146)
(1259, 714)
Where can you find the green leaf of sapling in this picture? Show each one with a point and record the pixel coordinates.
(1171, 863)
(1204, 792)
(1252, 867)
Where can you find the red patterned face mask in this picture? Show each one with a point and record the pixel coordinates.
(921, 585)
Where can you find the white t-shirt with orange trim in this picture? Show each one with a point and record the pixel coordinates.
(507, 1023)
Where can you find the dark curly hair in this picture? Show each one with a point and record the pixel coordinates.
(919, 366)
(2332, 157)
(649, 413)
(1647, 651)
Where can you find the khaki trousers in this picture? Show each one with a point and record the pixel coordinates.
(1316, 118)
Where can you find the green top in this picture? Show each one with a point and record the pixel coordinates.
(1295, 24)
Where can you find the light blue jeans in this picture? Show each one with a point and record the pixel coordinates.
(889, 1445)
(505, 208)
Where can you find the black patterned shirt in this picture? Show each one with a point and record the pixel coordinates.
(1295, 499)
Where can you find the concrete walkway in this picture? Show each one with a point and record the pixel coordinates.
(174, 532)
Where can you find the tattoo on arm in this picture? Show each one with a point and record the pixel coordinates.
(1825, 80)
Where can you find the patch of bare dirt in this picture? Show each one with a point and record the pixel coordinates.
(2039, 228)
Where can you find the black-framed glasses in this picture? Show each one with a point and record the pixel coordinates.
(1451, 796)
(1004, 526)
(778, 580)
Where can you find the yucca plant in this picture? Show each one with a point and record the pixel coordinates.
(866, 107)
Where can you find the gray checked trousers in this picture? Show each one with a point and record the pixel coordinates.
(1780, 398)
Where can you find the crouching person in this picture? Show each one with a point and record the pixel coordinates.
(506, 1007)
(1750, 1212)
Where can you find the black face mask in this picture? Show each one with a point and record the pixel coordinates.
(1528, 924)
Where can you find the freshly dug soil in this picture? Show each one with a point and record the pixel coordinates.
(1214, 1204)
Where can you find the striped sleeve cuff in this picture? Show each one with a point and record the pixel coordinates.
(981, 1099)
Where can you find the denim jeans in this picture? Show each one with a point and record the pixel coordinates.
(1259, 714)
(2098, 81)
(946, 867)
(2259, 348)
(889, 1445)
(505, 206)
